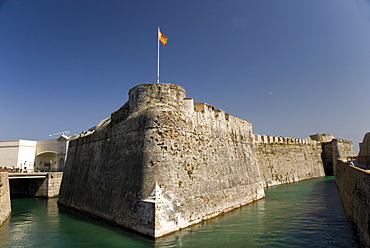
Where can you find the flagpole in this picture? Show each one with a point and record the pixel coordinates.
(158, 56)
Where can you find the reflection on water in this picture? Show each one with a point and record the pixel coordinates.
(305, 214)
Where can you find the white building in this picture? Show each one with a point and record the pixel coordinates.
(28, 155)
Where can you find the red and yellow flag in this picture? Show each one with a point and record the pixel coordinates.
(162, 38)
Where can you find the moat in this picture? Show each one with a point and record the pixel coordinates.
(303, 214)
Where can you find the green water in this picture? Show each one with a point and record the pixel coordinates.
(304, 214)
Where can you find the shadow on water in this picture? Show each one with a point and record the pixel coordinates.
(304, 214)
(103, 235)
(40, 222)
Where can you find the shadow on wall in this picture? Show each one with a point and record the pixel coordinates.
(25, 187)
(112, 166)
(327, 158)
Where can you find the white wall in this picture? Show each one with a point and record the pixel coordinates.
(62, 152)
(47, 146)
(17, 153)
(9, 153)
(26, 154)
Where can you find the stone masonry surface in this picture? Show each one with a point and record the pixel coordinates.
(5, 208)
(364, 153)
(286, 160)
(353, 184)
(354, 188)
(51, 186)
(162, 162)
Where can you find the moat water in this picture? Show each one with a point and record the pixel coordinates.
(304, 214)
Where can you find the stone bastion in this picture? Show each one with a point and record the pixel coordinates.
(162, 162)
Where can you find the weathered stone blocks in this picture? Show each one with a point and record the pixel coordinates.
(162, 162)
(5, 208)
(158, 166)
(289, 160)
(354, 187)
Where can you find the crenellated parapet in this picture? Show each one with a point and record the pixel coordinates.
(222, 124)
(268, 139)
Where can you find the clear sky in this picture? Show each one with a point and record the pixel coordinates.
(292, 68)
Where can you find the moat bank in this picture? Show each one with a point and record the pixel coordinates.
(5, 208)
(303, 214)
(354, 185)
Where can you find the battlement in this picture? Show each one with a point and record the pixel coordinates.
(267, 139)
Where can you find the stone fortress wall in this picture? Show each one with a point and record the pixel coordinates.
(162, 162)
(157, 165)
(364, 153)
(353, 184)
(5, 208)
(285, 160)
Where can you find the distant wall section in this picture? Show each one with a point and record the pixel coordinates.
(332, 149)
(286, 160)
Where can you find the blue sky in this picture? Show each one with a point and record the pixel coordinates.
(292, 68)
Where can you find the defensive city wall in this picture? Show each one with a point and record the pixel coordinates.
(162, 162)
(285, 160)
(5, 208)
(353, 183)
(354, 186)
